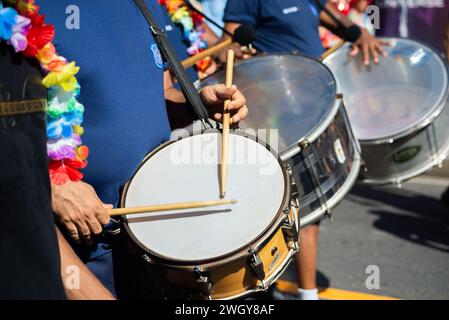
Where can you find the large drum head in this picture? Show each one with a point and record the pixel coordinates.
(395, 96)
(187, 171)
(291, 93)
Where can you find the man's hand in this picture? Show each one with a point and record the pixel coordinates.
(241, 53)
(370, 46)
(79, 209)
(215, 96)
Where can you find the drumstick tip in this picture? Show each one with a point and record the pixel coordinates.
(234, 201)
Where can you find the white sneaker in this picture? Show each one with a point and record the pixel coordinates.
(309, 294)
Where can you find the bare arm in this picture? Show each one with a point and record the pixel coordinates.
(368, 45)
(172, 95)
(90, 288)
(178, 112)
(230, 27)
(209, 36)
(77, 206)
(240, 52)
(330, 24)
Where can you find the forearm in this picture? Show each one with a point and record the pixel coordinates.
(179, 112)
(209, 36)
(171, 94)
(230, 27)
(174, 96)
(327, 21)
(90, 288)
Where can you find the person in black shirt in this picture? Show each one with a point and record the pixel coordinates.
(29, 255)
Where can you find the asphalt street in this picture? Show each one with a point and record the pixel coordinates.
(402, 232)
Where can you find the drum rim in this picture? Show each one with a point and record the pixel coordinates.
(259, 241)
(431, 115)
(320, 213)
(327, 119)
(418, 170)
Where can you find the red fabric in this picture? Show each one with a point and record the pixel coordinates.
(39, 35)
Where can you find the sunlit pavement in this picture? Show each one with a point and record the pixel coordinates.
(404, 232)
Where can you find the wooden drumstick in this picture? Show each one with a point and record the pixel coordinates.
(206, 53)
(226, 125)
(169, 207)
(332, 50)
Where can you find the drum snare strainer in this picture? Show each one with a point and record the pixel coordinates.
(216, 253)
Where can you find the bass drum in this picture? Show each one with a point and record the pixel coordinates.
(398, 109)
(295, 106)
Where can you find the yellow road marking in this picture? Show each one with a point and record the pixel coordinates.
(330, 293)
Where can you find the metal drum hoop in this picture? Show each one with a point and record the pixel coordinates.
(278, 220)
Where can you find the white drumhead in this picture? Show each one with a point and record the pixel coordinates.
(188, 171)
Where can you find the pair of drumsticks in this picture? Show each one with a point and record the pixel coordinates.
(223, 171)
(224, 156)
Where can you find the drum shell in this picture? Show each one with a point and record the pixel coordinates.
(231, 278)
(229, 274)
(396, 159)
(318, 159)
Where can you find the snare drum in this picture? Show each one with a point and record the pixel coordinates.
(214, 253)
(398, 109)
(297, 96)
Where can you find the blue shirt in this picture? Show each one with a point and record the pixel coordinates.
(122, 88)
(281, 25)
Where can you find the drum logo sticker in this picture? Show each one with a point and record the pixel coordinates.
(339, 152)
(406, 154)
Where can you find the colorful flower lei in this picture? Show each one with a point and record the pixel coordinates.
(24, 29)
(191, 23)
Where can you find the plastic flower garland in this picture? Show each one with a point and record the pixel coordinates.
(25, 30)
(191, 23)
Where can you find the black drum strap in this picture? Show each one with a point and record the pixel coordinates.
(169, 54)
